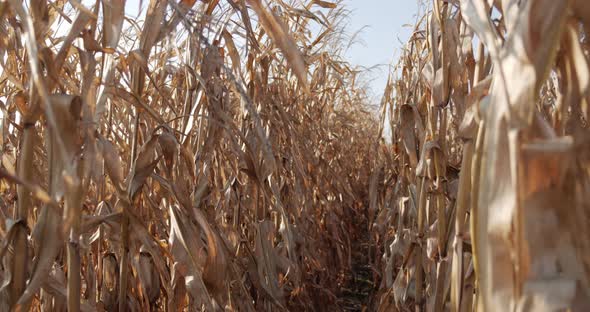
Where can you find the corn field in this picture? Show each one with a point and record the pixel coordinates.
(222, 155)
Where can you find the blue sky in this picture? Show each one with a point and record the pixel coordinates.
(383, 36)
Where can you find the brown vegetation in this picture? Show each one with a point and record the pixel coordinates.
(485, 199)
(220, 155)
(204, 157)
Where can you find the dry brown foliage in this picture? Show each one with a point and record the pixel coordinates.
(220, 155)
(208, 155)
(482, 203)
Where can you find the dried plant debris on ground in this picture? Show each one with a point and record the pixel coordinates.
(222, 155)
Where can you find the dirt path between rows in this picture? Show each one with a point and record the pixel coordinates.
(359, 286)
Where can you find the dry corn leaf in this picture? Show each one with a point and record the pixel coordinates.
(277, 31)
